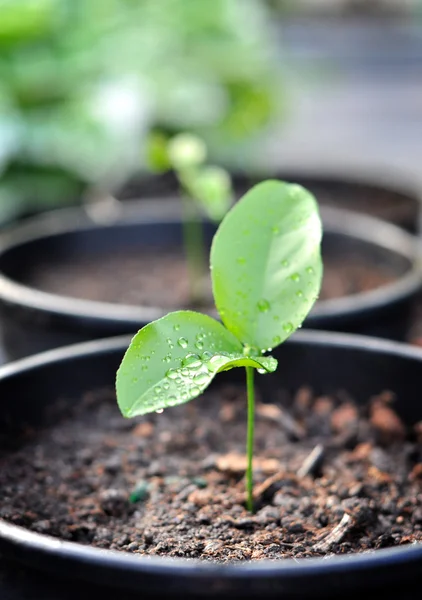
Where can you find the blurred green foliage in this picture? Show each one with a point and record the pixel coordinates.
(83, 82)
(212, 67)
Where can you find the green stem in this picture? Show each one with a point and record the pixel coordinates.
(250, 436)
(193, 239)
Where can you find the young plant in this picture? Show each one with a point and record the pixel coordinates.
(203, 188)
(266, 273)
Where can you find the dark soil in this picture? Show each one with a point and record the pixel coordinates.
(160, 278)
(376, 202)
(330, 477)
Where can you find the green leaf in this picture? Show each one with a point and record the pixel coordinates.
(186, 151)
(26, 20)
(156, 152)
(172, 360)
(266, 263)
(211, 187)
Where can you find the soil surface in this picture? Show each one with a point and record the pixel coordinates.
(330, 477)
(160, 278)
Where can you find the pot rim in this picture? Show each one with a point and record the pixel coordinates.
(336, 221)
(23, 539)
(392, 179)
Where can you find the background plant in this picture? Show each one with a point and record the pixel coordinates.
(203, 189)
(68, 119)
(83, 81)
(213, 72)
(266, 271)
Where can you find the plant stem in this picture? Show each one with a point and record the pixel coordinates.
(250, 436)
(193, 238)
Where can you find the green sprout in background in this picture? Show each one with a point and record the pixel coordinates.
(203, 188)
(266, 273)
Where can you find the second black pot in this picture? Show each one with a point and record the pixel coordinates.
(364, 367)
(386, 196)
(34, 320)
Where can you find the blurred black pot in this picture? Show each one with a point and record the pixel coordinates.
(363, 367)
(391, 198)
(33, 320)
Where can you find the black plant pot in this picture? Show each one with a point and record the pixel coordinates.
(35, 321)
(363, 367)
(390, 198)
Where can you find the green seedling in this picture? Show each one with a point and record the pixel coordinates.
(266, 273)
(203, 188)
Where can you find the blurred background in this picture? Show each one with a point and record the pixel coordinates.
(85, 85)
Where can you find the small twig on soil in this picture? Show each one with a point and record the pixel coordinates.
(268, 487)
(274, 413)
(336, 535)
(312, 461)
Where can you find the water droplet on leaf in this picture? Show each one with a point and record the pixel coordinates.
(182, 342)
(263, 305)
(191, 361)
(172, 401)
(201, 379)
(215, 362)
